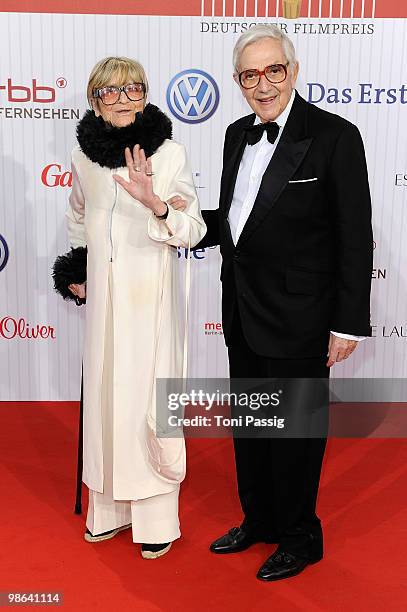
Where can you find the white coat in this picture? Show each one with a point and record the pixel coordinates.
(124, 236)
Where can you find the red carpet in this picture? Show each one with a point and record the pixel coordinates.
(362, 505)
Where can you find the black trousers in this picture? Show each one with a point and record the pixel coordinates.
(278, 478)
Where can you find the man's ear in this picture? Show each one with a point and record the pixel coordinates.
(236, 78)
(296, 70)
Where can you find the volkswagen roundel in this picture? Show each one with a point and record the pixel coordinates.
(192, 96)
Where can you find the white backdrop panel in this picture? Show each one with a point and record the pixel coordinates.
(58, 51)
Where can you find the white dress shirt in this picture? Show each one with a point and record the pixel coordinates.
(253, 164)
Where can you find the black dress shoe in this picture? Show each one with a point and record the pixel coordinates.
(235, 540)
(282, 565)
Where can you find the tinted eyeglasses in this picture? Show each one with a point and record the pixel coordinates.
(276, 73)
(110, 95)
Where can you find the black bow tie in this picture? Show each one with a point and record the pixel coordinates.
(255, 132)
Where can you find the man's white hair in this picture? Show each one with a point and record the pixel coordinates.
(258, 32)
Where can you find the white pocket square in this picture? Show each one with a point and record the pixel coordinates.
(304, 180)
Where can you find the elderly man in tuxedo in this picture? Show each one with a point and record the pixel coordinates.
(294, 229)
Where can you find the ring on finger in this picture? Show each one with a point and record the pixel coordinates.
(149, 173)
(137, 168)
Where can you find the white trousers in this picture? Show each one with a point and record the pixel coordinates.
(154, 520)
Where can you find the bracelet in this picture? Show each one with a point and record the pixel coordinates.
(165, 215)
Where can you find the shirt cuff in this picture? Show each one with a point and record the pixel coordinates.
(349, 336)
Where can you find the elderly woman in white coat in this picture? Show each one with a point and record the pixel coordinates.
(132, 201)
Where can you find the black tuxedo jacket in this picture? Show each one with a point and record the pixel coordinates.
(303, 263)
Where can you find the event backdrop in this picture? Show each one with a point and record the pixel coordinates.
(353, 58)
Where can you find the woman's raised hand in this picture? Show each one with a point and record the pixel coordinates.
(140, 183)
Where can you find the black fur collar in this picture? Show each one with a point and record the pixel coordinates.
(104, 144)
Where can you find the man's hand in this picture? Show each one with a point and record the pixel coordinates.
(339, 349)
(177, 203)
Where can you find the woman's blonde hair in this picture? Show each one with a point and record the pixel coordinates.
(115, 71)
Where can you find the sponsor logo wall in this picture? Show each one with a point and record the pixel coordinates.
(352, 61)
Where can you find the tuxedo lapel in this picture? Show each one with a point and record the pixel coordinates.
(287, 157)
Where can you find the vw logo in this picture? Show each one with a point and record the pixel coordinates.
(192, 96)
(3, 253)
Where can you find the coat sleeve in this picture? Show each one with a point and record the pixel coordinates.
(212, 237)
(76, 213)
(211, 217)
(353, 234)
(179, 226)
